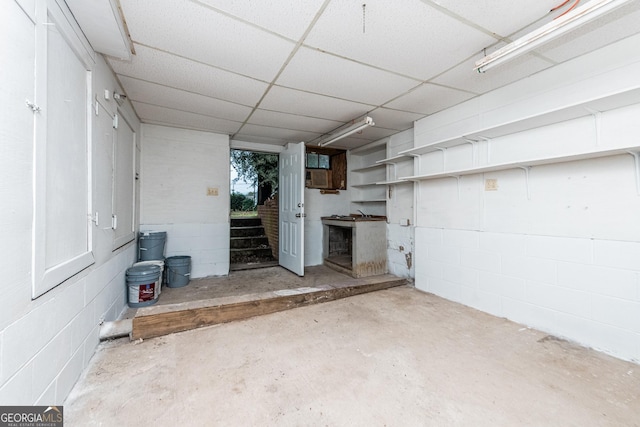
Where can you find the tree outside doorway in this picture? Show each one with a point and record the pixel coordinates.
(260, 171)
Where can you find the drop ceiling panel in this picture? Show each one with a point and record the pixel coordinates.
(324, 74)
(257, 140)
(502, 17)
(169, 70)
(286, 135)
(411, 38)
(195, 31)
(163, 96)
(288, 18)
(465, 78)
(291, 121)
(430, 98)
(167, 116)
(393, 119)
(310, 104)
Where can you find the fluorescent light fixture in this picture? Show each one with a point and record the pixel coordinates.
(356, 127)
(554, 29)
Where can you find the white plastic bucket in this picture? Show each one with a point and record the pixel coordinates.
(160, 264)
(142, 283)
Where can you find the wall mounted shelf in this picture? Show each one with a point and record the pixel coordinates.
(524, 164)
(395, 181)
(368, 168)
(544, 118)
(370, 184)
(370, 201)
(395, 159)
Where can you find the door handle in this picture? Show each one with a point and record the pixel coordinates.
(299, 215)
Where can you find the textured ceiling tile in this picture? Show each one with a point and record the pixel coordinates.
(291, 121)
(288, 18)
(152, 93)
(324, 74)
(429, 98)
(502, 17)
(166, 116)
(169, 70)
(288, 135)
(410, 38)
(198, 32)
(310, 104)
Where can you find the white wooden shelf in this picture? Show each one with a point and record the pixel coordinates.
(370, 201)
(368, 168)
(370, 184)
(525, 164)
(395, 181)
(395, 159)
(545, 118)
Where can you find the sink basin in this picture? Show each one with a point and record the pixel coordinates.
(356, 217)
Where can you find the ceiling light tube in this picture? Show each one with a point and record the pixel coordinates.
(356, 127)
(554, 29)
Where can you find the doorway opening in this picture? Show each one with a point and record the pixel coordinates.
(254, 210)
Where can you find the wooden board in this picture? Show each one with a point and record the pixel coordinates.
(154, 323)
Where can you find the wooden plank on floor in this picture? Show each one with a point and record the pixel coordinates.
(194, 315)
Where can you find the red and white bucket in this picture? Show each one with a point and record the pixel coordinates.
(143, 283)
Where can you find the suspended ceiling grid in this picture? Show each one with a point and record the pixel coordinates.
(290, 71)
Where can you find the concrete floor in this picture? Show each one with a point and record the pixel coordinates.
(397, 357)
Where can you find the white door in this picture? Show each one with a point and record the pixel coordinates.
(291, 196)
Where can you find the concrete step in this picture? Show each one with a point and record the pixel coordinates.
(247, 255)
(249, 242)
(246, 222)
(247, 231)
(253, 265)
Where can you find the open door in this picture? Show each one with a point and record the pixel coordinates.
(291, 207)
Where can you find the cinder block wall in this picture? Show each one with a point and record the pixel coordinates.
(556, 246)
(185, 192)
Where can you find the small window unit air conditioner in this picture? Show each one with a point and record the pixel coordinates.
(317, 178)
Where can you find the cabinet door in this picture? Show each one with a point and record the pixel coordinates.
(123, 183)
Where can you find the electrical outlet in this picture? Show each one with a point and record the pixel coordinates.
(212, 191)
(490, 184)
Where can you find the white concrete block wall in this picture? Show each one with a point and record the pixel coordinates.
(46, 343)
(44, 352)
(178, 166)
(566, 286)
(557, 249)
(206, 244)
(400, 246)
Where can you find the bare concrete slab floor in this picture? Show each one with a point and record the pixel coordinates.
(396, 357)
